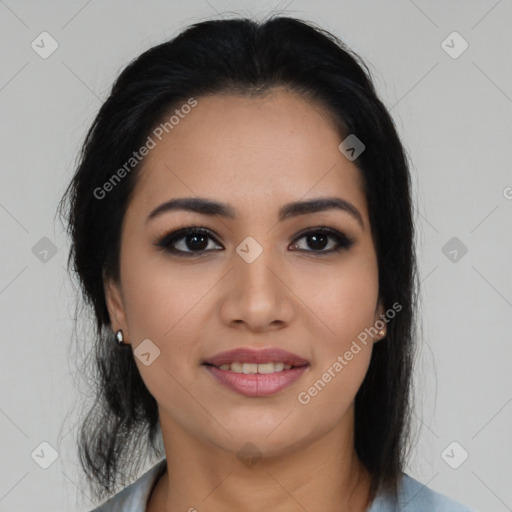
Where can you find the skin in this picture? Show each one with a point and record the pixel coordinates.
(300, 301)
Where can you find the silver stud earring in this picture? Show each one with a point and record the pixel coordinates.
(119, 337)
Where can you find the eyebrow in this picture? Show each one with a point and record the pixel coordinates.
(208, 207)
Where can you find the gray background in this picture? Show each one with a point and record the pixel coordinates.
(454, 115)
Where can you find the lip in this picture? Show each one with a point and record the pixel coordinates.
(255, 384)
(248, 355)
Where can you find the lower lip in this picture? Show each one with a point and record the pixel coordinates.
(257, 384)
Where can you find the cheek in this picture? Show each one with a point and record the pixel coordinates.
(345, 299)
(159, 295)
(344, 312)
(352, 306)
(166, 304)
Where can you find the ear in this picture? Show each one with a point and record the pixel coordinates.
(379, 314)
(115, 306)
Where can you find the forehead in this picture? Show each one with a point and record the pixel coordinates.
(262, 149)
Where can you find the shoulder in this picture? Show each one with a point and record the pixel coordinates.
(134, 497)
(413, 496)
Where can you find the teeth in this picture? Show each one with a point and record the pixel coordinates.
(252, 368)
(237, 367)
(268, 368)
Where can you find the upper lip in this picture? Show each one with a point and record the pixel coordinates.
(248, 355)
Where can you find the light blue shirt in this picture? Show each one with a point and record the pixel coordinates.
(413, 496)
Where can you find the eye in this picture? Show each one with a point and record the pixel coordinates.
(194, 238)
(318, 239)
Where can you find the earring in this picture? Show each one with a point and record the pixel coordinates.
(382, 332)
(119, 337)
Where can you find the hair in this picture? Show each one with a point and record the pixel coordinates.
(245, 57)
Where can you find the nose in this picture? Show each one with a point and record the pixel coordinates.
(257, 297)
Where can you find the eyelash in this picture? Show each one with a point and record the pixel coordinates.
(343, 241)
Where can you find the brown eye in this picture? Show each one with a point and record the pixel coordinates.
(187, 241)
(195, 241)
(318, 240)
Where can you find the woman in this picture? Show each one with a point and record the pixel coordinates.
(241, 225)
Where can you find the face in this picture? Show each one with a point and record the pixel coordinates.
(257, 279)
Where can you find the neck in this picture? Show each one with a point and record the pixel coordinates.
(323, 475)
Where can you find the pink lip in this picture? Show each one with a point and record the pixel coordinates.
(247, 355)
(257, 385)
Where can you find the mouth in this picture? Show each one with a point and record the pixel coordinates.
(255, 368)
(248, 357)
(256, 373)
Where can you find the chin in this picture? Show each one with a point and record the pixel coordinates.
(265, 440)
